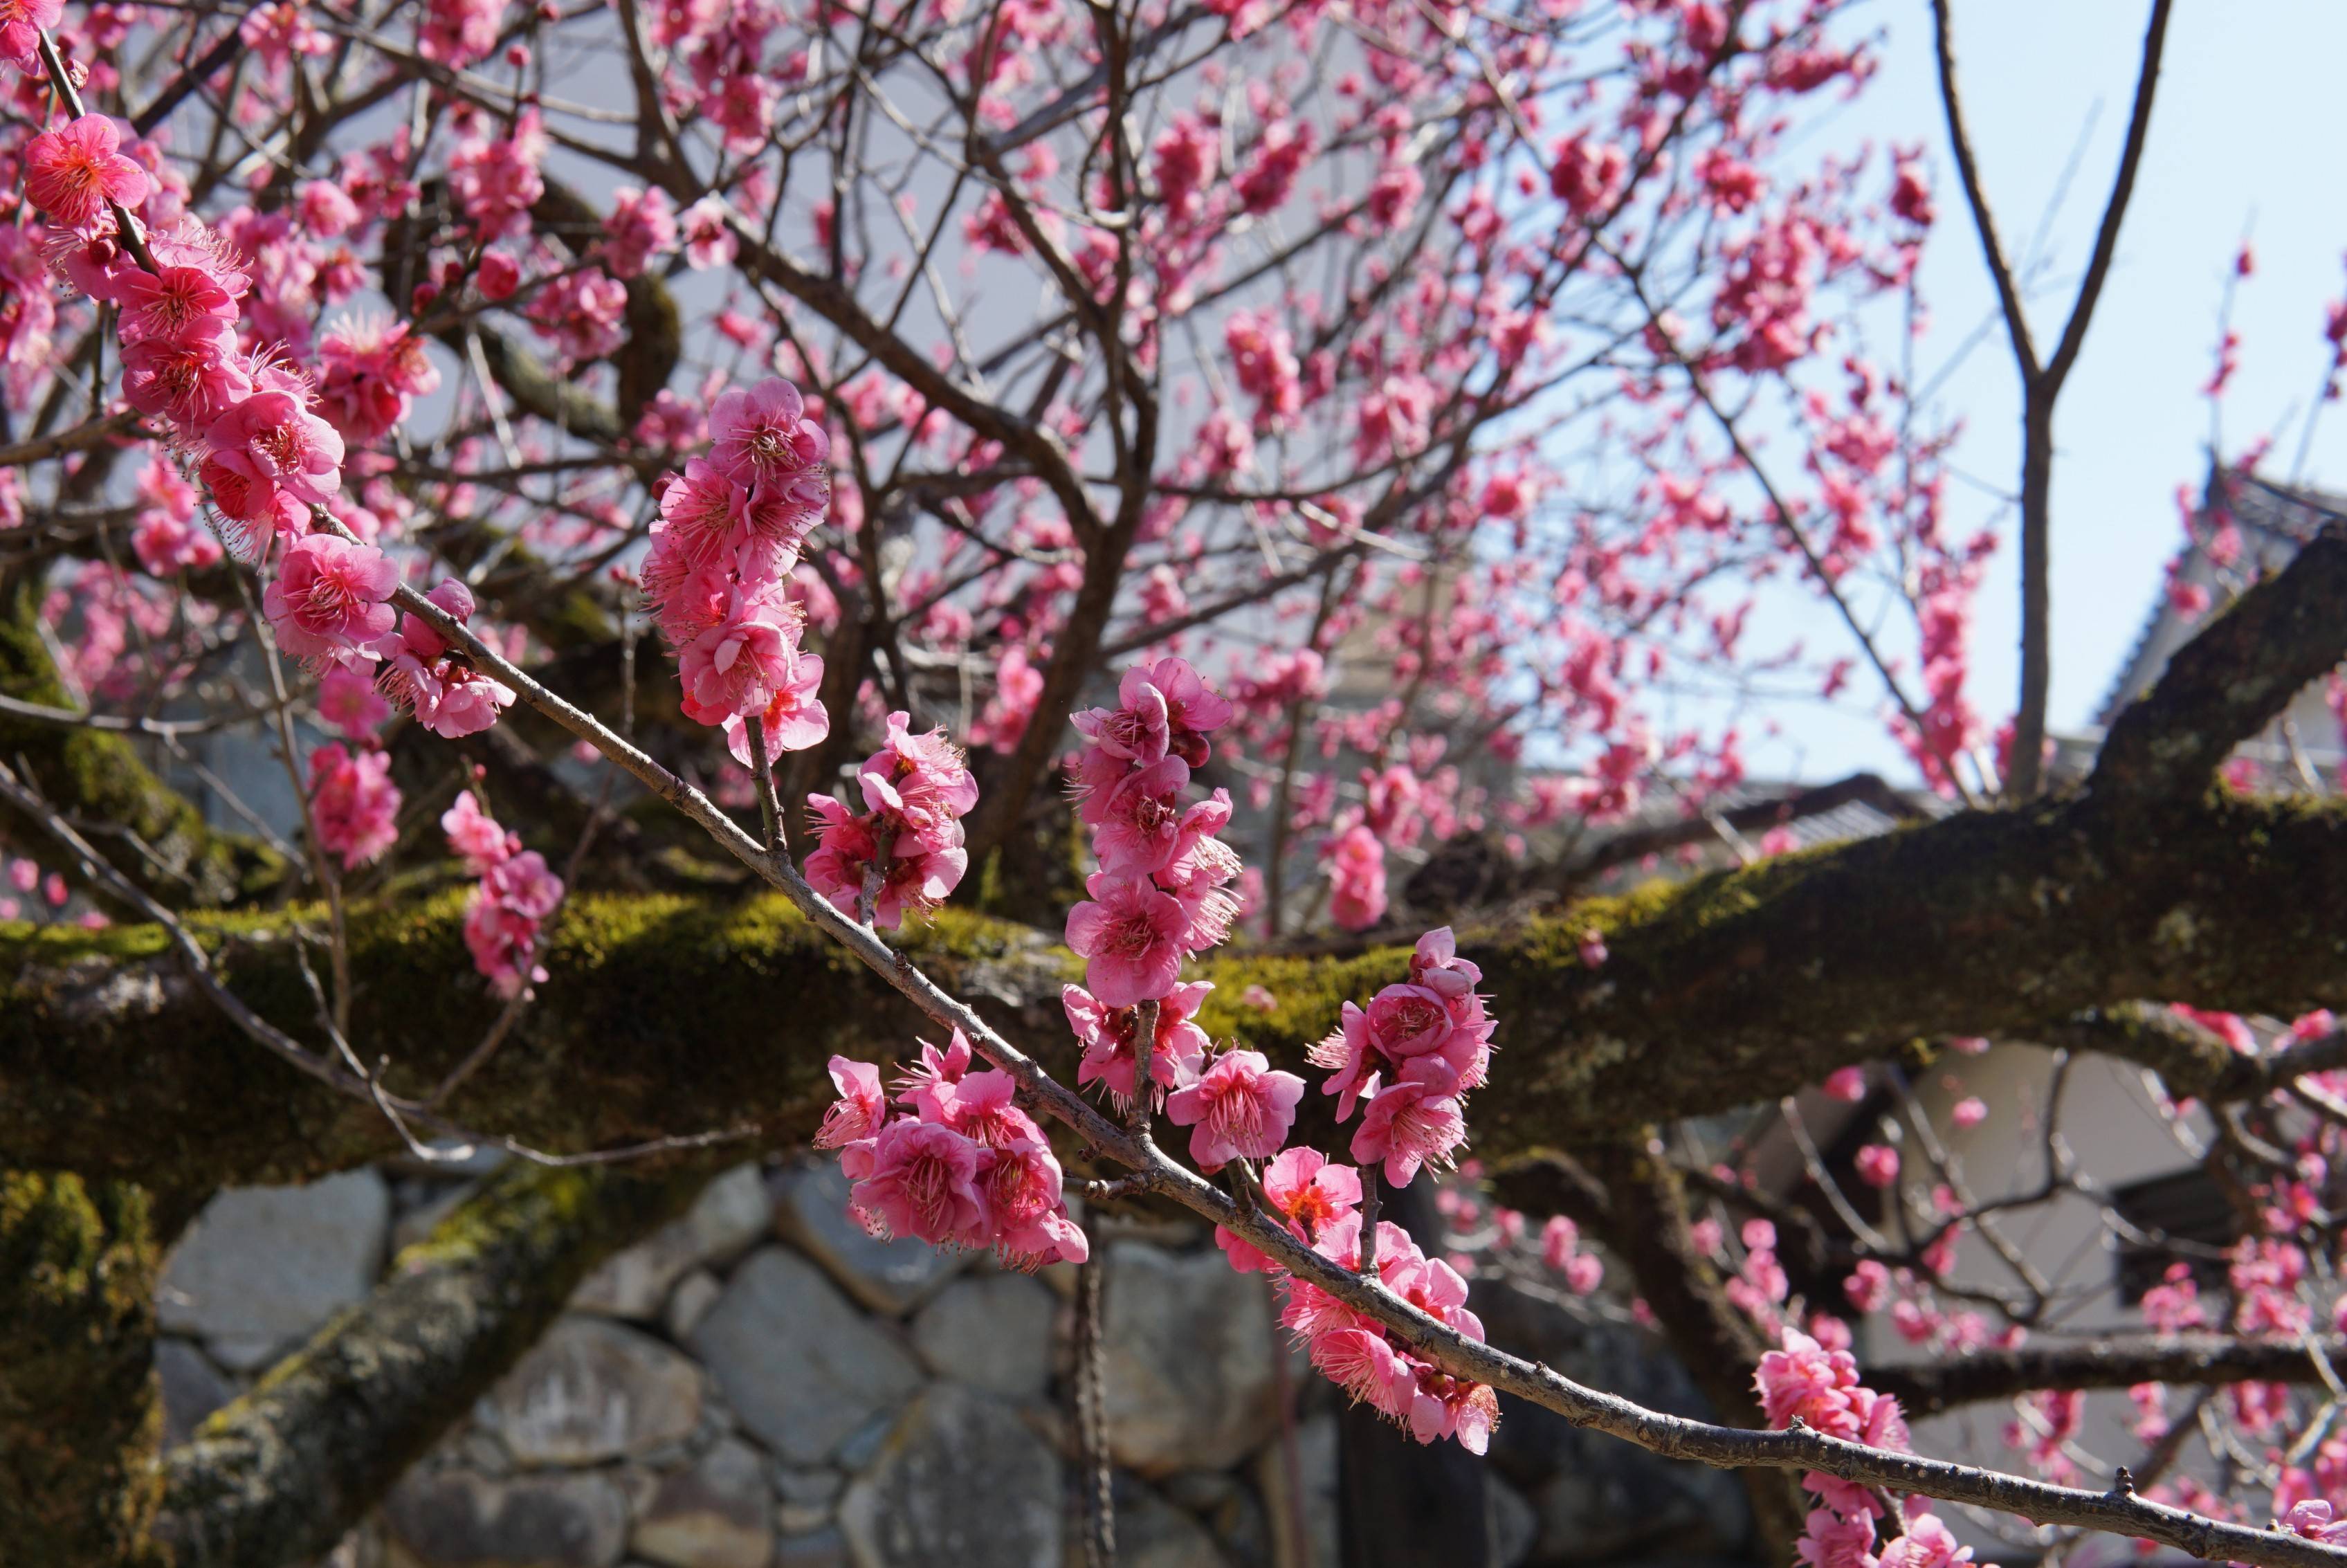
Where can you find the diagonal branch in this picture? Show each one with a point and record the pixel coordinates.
(2106, 238)
(278, 1477)
(2000, 268)
(2230, 679)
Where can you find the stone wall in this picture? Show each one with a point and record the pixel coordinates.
(762, 1385)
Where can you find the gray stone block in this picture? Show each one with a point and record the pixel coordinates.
(716, 1513)
(992, 1331)
(890, 1276)
(800, 1366)
(263, 1266)
(1191, 1381)
(590, 1391)
(963, 1481)
(450, 1519)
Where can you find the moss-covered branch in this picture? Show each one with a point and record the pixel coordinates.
(276, 1478)
(668, 1015)
(78, 1412)
(2230, 679)
(663, 1012)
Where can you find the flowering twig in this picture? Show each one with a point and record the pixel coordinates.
(1674, 1437)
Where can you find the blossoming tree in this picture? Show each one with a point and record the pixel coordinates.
(1292, 446)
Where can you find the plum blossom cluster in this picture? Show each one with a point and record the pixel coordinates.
(517, 894)
(952, 1160)
(904, 851)
(1413, 1055)
(247, 419)
(719, 573)
(435, 682)
(354, 804)
(1807, 1382)
(1162, 890)
(956, 1163)
(252, 424)
(1319, 1203)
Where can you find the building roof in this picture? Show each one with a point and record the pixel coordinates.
(2273, 520)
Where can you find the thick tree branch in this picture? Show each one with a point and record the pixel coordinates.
(1625, 848)
(1983, 924)
(1986, 923)
(1716, 1343)
(277, 1477)
(2230, 679)
(78, 1412)
(1926, 1388)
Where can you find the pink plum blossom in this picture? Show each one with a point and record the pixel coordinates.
(862, 1107)
(354, 802)
(332, 598)
(1240, 1108)
(924, 1181)
(71, 173)
(1131, 933)
(21, 25)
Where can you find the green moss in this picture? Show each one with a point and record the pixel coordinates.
(668, 1014)
(79, 1419)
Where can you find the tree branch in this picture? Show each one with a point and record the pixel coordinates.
(1925, 1389)
(1986, 923)
(2008, 288)
(276, 1478)
(1624, 848)
(2107, 237)
(2226, 684)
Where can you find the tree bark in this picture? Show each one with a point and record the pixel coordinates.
(278, 1477)
(80, 1413)
(1713, 1340)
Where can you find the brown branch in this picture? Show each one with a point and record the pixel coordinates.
(2008, 288)
(1625, 848)
(2226, 684)
(2107, 237)
(1925, 1389)
(90, 433)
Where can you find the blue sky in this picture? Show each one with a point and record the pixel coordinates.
(2245, 134)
